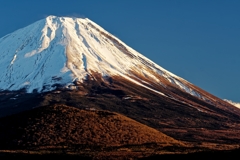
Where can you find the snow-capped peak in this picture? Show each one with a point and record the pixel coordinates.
(61, 50)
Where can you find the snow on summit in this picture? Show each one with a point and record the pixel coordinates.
(61, 50)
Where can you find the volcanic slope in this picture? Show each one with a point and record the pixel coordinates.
(182, 120)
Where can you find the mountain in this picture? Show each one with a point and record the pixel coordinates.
(233, 103)
(74, 62)
(60, 50)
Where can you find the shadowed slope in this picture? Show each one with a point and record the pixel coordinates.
(60, 125)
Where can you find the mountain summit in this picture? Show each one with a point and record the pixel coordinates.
(61, 50)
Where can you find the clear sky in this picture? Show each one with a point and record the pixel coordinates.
(198, 40)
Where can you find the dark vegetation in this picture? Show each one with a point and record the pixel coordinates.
(206, 155)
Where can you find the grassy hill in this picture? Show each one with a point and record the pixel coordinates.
(73, 129)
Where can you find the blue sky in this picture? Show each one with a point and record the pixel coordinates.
(198, 40)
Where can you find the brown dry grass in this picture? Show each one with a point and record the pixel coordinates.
(61, 125)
